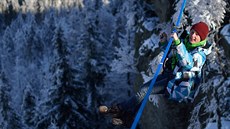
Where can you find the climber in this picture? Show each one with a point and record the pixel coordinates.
(181, 74)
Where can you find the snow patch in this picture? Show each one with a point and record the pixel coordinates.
(149, 44)
(225, 125)
(226, 33)
(150, 23)
(154, 99)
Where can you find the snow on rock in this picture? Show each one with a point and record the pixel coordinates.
(225, 124)
(225, 42)
(149, 44)
(226, 33)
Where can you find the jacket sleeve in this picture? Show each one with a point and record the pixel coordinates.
(191, 64)
(185, 58)
(199, 60)
(192, 67)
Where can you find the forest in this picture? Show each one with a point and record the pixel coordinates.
(61, 59)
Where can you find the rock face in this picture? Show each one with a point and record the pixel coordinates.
(167, 115)
(162, 8)
(224, 43)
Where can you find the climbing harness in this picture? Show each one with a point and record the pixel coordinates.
(137, 118)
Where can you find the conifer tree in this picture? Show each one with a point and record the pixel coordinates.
(10, 118)
(65, 105)
(94, 40)
(30, 113)
(126, 50)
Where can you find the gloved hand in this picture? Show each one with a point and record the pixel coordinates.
(175, 38)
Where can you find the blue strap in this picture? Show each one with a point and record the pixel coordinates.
(138, 115)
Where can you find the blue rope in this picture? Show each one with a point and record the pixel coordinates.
(137, 118)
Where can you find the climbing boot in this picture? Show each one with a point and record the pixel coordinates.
(117, 121)
(114, 110)
(125, 120)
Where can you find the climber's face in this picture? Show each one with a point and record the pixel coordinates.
(194, 37)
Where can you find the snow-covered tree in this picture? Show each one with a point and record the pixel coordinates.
(8, 45)
(130, 16)
(30, 113)
(214, 93)
(7, 51)
(46, 32)
(94, 38)
(65, 105)
(199, 10)
(28, 54)
(10, 118)
(211, 106)
(2, 24)
(63, 57)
